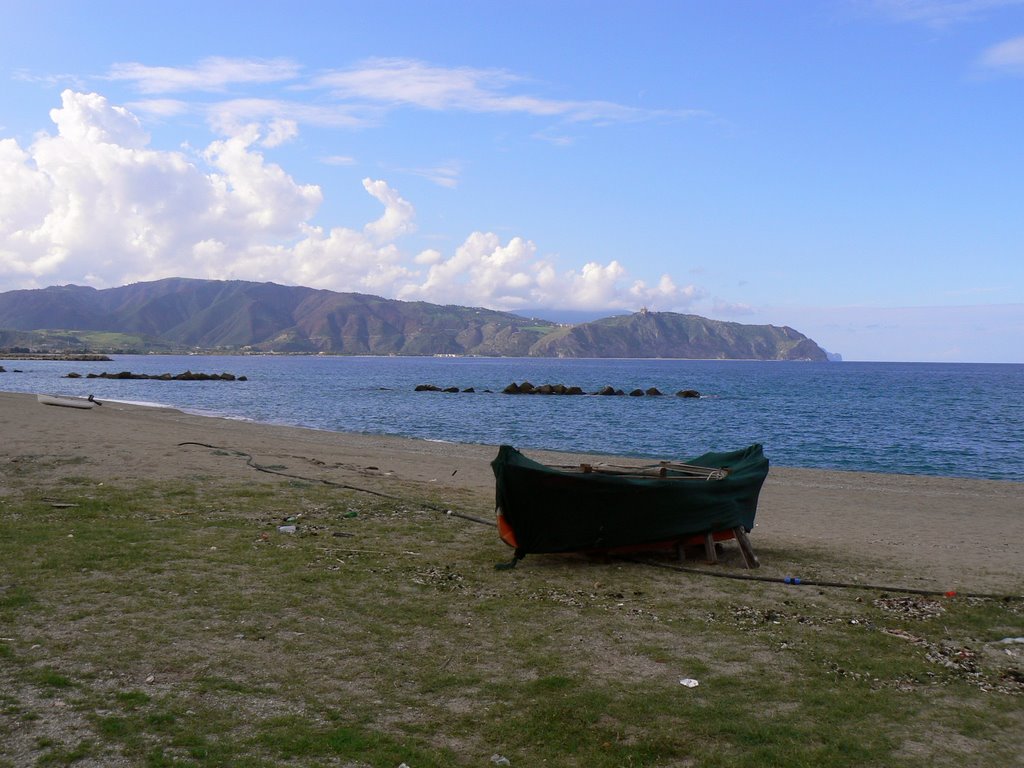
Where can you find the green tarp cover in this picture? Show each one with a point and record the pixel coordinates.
(552, 510)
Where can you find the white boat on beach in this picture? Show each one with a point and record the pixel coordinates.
(68, 402)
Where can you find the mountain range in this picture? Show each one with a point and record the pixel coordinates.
(184, 314)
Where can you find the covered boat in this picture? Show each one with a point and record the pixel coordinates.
(598, 507)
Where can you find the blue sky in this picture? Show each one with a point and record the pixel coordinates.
(853, 169)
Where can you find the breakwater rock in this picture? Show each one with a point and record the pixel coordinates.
(526, 388)
(78, 357)
(186, 376)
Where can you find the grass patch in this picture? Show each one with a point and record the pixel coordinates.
(172, 624)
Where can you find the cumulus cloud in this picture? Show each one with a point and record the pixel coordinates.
(94, 204)
(97, 205)
(510, 275)
(398, 213)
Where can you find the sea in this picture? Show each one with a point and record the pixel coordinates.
(953, 420)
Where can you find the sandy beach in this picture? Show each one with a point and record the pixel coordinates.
(925, 532)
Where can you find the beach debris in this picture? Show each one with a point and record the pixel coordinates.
(910, 607)
(500, 759)
(286, 528)
(689, 682)
(1011, 640)
(151, 679)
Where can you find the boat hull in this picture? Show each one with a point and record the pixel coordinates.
(66, 402)
(544, 509)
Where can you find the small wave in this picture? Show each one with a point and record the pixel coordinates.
(141, 403)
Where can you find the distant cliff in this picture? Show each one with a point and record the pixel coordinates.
(667, 334)
(181, 314)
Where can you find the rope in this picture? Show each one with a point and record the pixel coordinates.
(817, 583)
(251, 462)
(791, 580)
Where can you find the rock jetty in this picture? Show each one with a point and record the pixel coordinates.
(186, 376)
(526, 388)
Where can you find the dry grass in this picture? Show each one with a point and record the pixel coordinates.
(171, 624)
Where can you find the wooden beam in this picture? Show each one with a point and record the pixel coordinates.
(749, 558)
(709, 548)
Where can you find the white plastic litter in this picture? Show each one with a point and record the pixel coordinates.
(689, 682)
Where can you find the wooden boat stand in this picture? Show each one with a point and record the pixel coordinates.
(711, 550)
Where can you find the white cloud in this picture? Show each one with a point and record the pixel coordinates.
(510, 276)
(398, 213)
(95, 204)
(160, 107)
(404, 81)
(428, 257)
(361, 93)
(446, 175)
(228, 117)
(98, 206)
(89, 119)
(252, 193)
(408, 82)
(1007, 57)
(357, 97)
(214, 73)
(280, 132)
(939, 13)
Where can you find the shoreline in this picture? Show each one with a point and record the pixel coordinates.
(800, 414)
(948, 532)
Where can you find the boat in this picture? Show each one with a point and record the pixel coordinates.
(68, 402)
(607, 508)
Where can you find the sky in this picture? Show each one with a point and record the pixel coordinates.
(853, 169)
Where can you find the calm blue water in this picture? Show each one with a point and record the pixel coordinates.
(912, 418)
